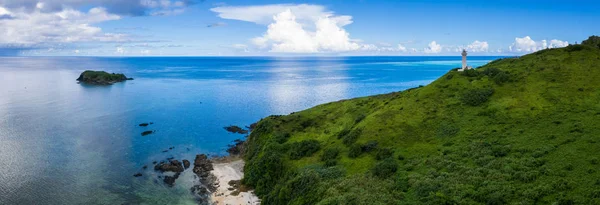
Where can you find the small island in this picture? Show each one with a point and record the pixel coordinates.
(101, 77)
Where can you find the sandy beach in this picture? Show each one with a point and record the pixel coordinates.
(225, 172)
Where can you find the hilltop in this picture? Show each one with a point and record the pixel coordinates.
(520, 130)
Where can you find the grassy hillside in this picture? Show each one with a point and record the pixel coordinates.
(515, 131)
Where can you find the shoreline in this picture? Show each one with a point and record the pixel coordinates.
(225, 170)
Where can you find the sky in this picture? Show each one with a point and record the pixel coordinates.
(294, 28)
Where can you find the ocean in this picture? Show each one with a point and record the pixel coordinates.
(67, 143)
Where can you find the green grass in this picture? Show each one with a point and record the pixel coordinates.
(516, 131)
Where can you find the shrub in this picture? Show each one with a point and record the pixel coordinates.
(265, 171)
(383, 153)
(592, 41)
(351, 137)
(355, 151)
(476, 97)
(304, 148)
(281, 137)
(343, 133)
(471, 73)
(501, 78)
(330, 154)
(385, 168)
(359, 118)
(447, 130)
(369, 146)
(491, 72)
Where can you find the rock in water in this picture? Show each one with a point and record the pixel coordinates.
(101, 77)
(202, 166)
(172, 166)
(236, 129)
(186, 164)
(170, 180)
(147, 132)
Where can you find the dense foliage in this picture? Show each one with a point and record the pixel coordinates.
(101, 77)
(516, 131)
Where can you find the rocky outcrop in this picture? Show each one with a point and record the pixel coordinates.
(186, 164)
(236, 129)
(171, 166)
(237, 148)
(101, 77)
(170, 180)
(202, 166)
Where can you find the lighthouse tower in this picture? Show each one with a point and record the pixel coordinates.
(464, 60)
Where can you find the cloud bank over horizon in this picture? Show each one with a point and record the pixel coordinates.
(79, 27)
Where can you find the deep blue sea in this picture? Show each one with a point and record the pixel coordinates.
(67, 143)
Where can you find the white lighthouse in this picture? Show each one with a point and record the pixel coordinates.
(464, 61)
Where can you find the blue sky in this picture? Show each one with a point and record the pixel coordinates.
(266, 27)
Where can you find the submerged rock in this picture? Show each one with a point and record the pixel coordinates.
(147, 132)
(171, 166)
(101, 77)
(236, 129)
(186, 164)
(170, 180)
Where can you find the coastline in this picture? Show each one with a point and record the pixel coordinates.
(227, 170)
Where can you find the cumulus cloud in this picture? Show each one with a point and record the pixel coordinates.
(306, 14)
(119, 7)
(528, 45)
(433, 47)
(478, 46)
(28, 29)
(294, 28)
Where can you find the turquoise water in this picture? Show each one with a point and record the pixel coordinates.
(66, 143)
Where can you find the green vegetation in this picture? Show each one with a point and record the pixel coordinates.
(516, 131)
(101, 77)
(592, 41)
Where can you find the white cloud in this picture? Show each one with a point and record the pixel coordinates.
(528, 45)
(558, 43)
(120, 50)
(296, 28)
(433, 47)
(121, 7)
(401, 48)
(478, 46)
(65, 26)
(306, 14)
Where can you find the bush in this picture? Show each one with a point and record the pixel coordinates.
(343, 133)
(359, 118)
(385, 168)
(351, 137)
(281, 137)
(330, 154)
(304, 148)
(592, 41)
(491, 72)
(383, 153)
(369, 146)
(447, 130)
(355, 151)
(476, 97)
(501, 78)
(265, 171)
(471, 73)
